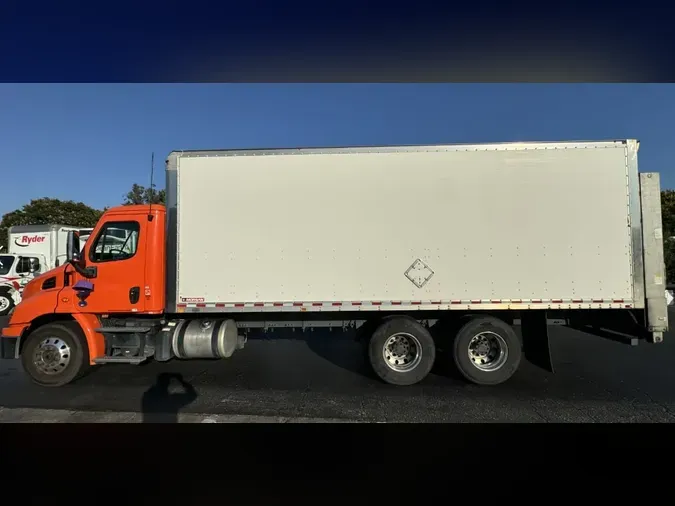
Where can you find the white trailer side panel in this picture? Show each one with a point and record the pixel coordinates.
(508, 224)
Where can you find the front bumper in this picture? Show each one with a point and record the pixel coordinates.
(10, 339)
(9, 347)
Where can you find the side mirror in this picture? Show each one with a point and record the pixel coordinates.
(74, 255)
(34, 266)
(73, 246)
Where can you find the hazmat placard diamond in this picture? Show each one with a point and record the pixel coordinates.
(419, 273)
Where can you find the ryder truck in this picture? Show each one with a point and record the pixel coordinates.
(412, 248)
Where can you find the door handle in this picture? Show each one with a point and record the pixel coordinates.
(134, 294)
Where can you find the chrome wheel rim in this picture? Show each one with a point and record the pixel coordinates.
(488, 351)
(4, 303)
(402, 352)
(51, 356)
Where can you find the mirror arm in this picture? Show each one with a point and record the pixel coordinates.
(87, 272)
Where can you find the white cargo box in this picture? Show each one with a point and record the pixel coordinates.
(505, 226)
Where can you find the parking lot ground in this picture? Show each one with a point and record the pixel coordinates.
(323, 376)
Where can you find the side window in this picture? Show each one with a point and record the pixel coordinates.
(115, 241)
(27, 265)
(6, 262)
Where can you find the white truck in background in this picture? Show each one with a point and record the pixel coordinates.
(114, 239)
(84, 235)
(32, 250)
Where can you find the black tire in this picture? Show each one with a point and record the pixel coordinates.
(500, 333)
(421, 341)
(4, 294)
(70, 335)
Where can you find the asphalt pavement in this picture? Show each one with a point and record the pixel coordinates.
(323, 377)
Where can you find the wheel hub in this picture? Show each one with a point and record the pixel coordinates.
(4, 302)
(483, 349)
(400, 349)
(402, 352)
(488, 351)
(51, 356)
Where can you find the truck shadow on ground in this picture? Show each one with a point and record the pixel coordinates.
(342, 351)
(160, 404)
(350, 354)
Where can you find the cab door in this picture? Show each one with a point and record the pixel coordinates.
(116, 251)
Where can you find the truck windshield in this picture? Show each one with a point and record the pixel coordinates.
(6, 262)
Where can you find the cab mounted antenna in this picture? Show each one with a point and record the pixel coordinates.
(152, 185)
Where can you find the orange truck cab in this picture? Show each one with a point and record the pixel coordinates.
(59, 327)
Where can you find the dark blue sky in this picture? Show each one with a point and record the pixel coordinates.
(91, 142)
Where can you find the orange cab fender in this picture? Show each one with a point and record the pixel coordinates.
(95, 342)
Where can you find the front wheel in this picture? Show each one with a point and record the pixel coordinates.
(55, 355)
(6, 303)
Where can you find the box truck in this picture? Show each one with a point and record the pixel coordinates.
(470, 249)
(32, 250)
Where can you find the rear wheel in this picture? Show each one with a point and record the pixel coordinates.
(55, 354)
(6, 303)
(486, 351)
(401, 351)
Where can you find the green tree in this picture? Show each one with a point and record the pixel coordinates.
(141, 195)
(668, 220)
(668, 212)
(47, 211)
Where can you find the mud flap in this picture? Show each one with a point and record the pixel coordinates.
(534, 329)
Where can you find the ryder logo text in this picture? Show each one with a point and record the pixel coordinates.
(27, 240)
